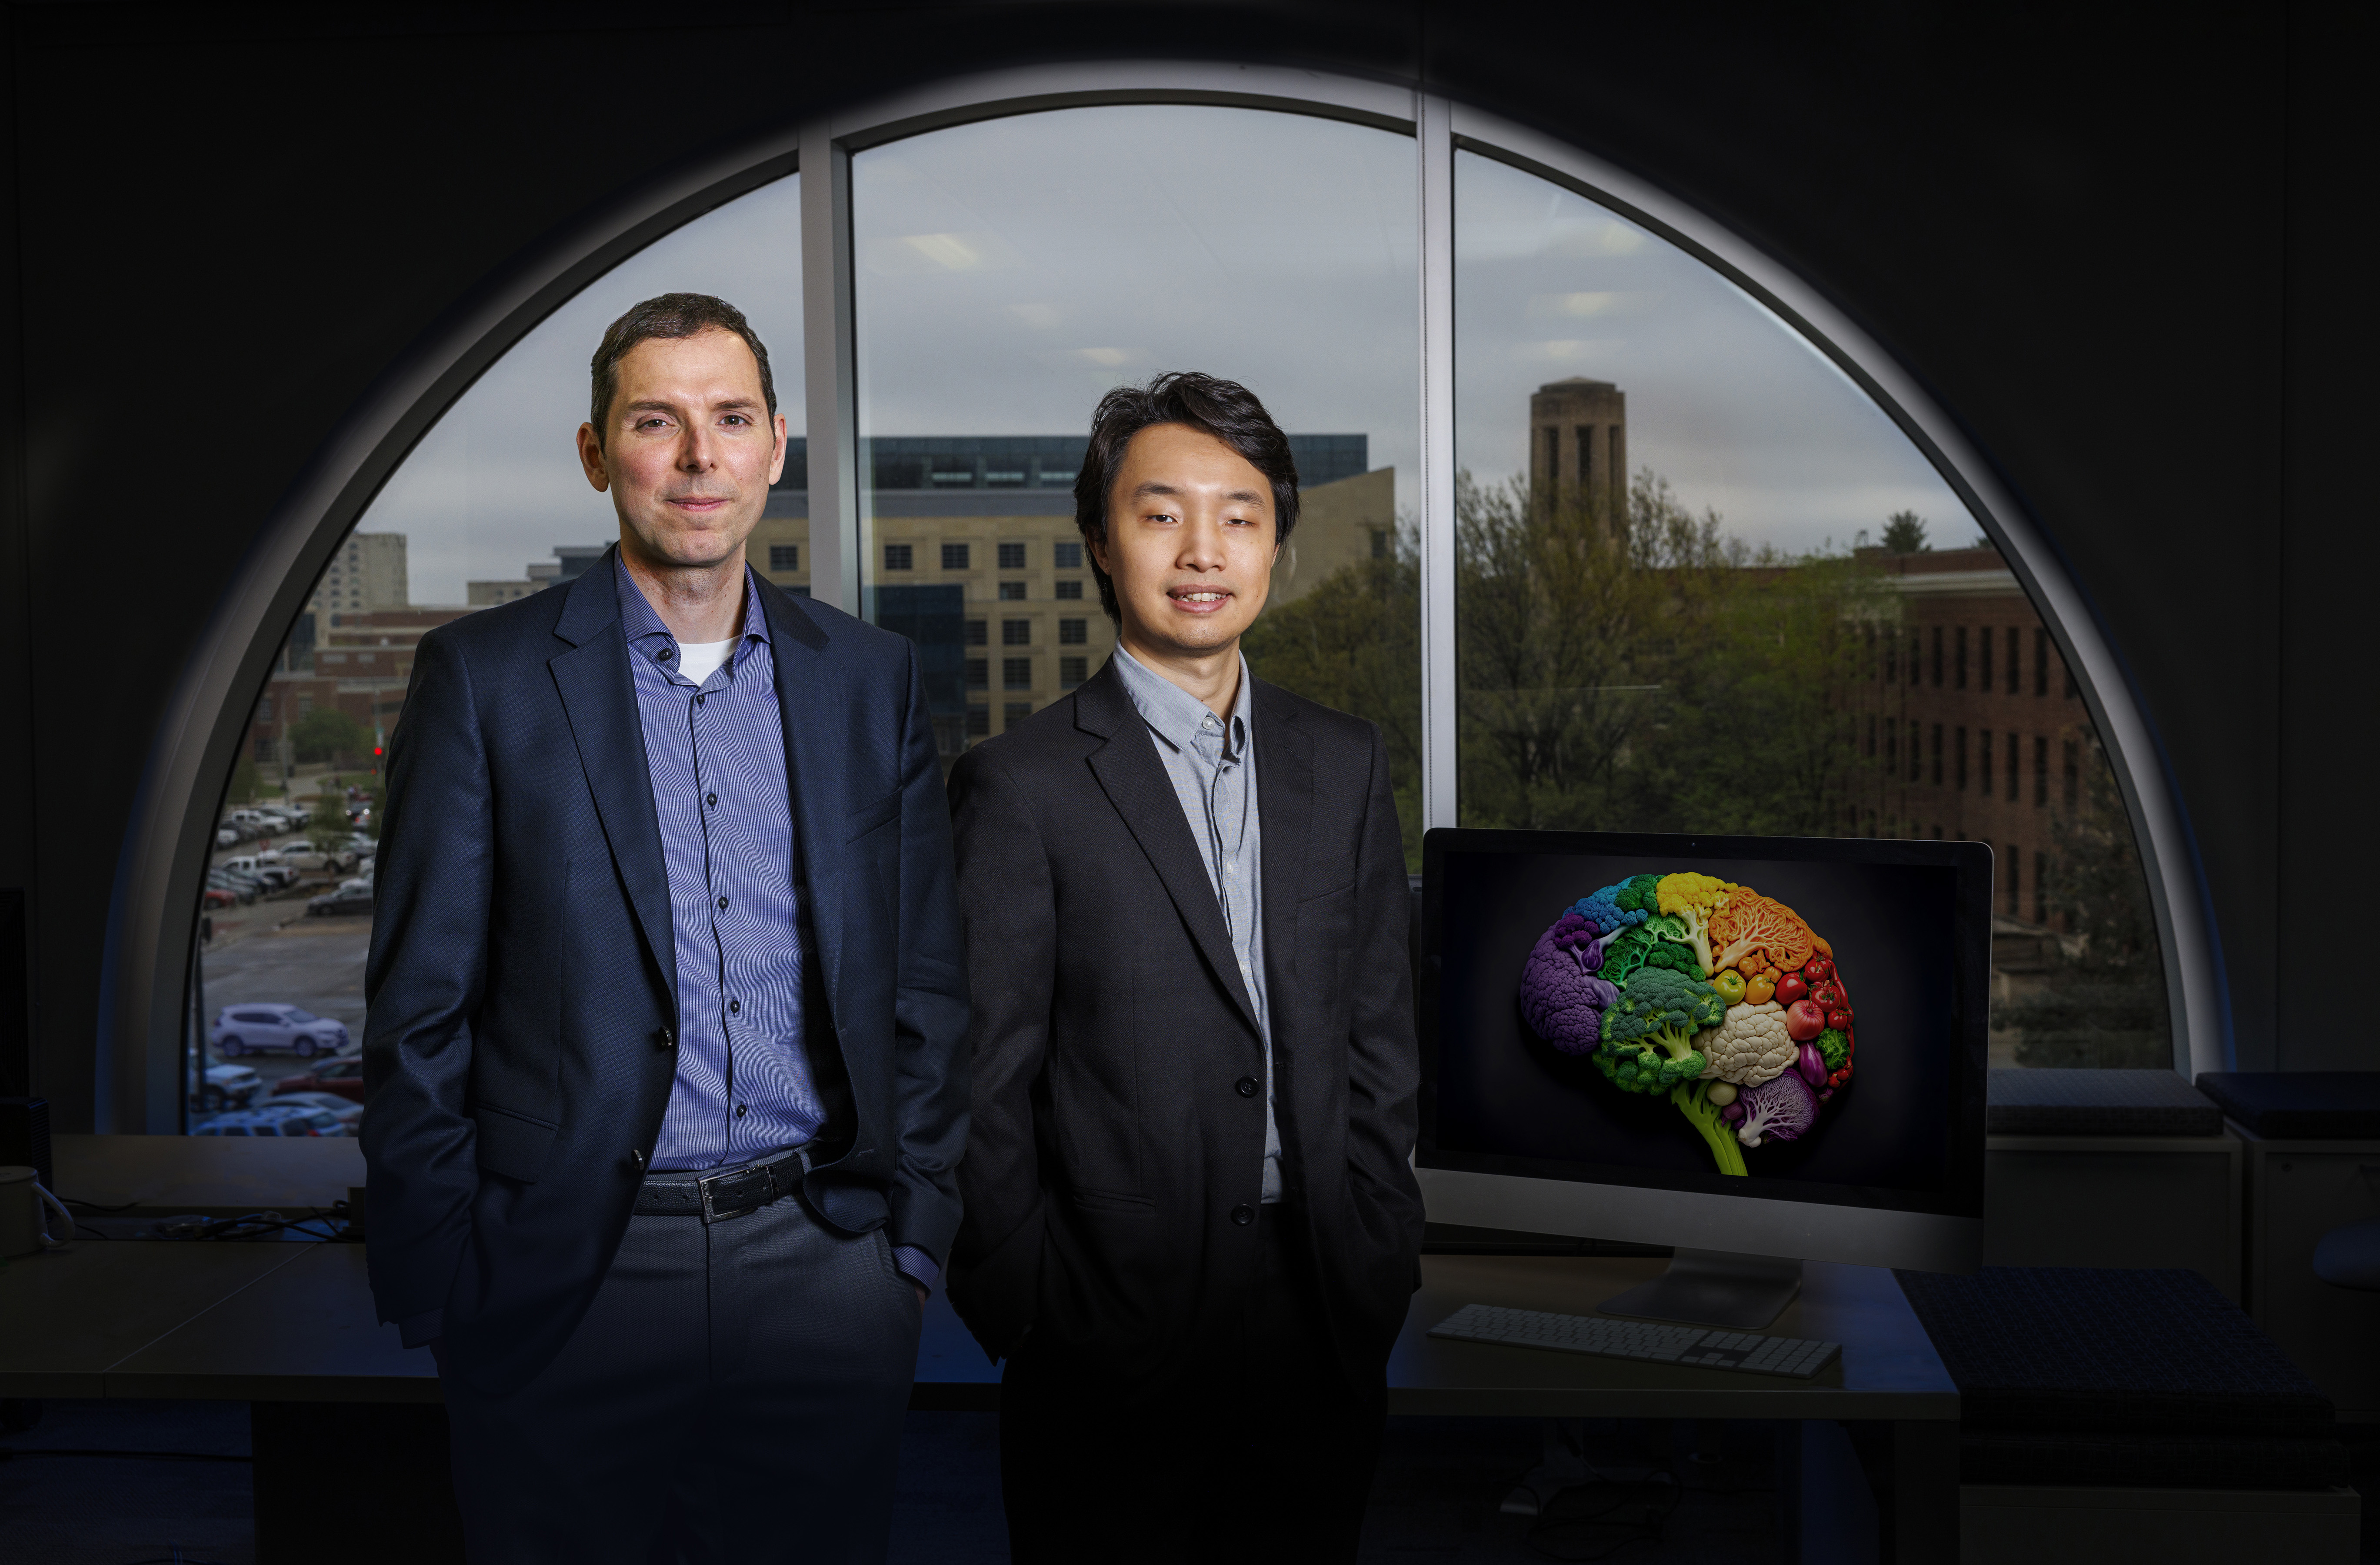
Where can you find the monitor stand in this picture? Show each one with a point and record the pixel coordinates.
(1714, 1288)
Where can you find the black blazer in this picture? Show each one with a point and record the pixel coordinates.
(1111, 1142)
(523, 981)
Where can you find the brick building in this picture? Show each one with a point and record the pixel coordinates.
(1968, 724)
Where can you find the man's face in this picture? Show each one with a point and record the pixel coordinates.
(688, 450)
(1190, 541)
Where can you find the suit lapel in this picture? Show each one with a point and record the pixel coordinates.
(1135, 782)
(815, 705)
(1284, 758)
(600, 699)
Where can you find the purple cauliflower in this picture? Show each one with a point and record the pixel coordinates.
(1781, 1109)
(1561, 996)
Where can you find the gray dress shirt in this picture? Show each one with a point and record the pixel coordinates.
(1212, 764)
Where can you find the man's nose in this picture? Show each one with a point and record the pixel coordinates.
(695, 454)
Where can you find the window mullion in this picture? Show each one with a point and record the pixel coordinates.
(1434, 143)
(830, 368)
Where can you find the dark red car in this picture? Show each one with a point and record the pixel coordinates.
(344, 1076)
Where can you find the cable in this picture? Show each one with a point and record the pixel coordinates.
(103, 1211)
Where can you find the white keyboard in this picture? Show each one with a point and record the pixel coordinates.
(1638, 1339)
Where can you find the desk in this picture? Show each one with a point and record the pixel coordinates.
(208, 1175)
(284, 1324)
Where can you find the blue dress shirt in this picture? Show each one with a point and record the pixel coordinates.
(1211, 762)
(716, 754)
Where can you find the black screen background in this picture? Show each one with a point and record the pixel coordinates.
(1501, 1093)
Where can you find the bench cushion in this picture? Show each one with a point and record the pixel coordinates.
(2299, 1105)
(2107, 1351)
(2097, 1103)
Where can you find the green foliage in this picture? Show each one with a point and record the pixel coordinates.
(1353, 643)
(245, 783)
(1904, 533)
(326, 734)
(2103, 1002)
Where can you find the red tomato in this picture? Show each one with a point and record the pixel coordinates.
(1826, 996)
(1790, 987)
(1818, 969)
(1840, 1019)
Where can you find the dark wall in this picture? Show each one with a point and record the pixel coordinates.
(2105, 250)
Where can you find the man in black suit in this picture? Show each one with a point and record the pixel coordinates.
(1191, 1226)
(667, 1051)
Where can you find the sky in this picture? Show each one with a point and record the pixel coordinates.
(1009, 271)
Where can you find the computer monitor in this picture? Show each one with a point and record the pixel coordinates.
(1757, 1050)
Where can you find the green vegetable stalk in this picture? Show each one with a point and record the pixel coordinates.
(1694, 1103)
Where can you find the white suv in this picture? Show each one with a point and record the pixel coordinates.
(260, 1029)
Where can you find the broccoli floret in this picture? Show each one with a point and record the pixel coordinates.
(1831, 1048)
(1615, 907)
(1662, 1006)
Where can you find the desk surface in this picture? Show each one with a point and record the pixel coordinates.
(292, 1322)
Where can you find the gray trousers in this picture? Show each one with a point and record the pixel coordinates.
(734, 1393)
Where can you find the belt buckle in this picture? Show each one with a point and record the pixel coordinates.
(710, 1213)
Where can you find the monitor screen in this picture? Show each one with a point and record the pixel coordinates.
(1793, 1019)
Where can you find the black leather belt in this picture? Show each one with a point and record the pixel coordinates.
(717, 1197)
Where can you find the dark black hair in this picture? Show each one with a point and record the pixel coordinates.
(1225, 409)
(669, 315)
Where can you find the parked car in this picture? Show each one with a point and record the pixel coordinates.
(218, 896)
(225, 837)
(353, 897)
(243, 887)
(271, 1028)
(288, 1119)
(349, 1113)
(344, 1076)
(224, 1086)
(306, 856)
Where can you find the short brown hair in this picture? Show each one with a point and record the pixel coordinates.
(1225, 409)
(669, 315)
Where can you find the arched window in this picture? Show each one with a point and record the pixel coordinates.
(1609, 521)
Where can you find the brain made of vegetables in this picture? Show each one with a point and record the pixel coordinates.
(1689, 987)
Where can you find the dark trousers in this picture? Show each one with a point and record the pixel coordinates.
(1252, 1447)
(734, 1393)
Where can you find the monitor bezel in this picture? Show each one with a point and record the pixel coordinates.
(1933, 1229)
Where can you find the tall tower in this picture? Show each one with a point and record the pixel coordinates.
(1578, 446)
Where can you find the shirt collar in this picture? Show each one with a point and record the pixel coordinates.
(1172, 713)
(638, 619)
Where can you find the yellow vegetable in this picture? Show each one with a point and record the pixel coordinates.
(1760, 990)
(1731, 985)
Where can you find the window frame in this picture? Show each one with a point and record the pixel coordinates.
(144, 1022)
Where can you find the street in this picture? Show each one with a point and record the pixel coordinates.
(316, 963)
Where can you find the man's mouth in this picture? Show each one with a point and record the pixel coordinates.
(1200, 599)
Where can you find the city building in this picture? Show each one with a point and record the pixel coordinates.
(1578, 444)
(368, 574)
(974, 553)
(1970, 724)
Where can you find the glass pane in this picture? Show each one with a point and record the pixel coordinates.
(1704, 585)
(1011, 272)
(489, 507)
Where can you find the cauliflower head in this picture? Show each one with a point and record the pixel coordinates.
(1749, 1046)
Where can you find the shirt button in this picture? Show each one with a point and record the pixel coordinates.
(698, 700)
(1245, 1086)
(734, 1006)
(1244, 1214)
(740, 1109)
(637, 1155)
(710, 799)
(723, 905)
(663, 654)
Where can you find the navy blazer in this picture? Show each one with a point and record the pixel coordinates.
(522, 984)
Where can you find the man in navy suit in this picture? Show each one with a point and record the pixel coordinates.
(666, 1060)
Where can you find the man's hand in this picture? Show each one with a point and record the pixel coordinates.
(921, 1292)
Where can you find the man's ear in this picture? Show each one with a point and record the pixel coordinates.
(592, 459)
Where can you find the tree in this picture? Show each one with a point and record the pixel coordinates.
(1904, 533)
(2104, 1004)
(245, 783)
(326, 734)
(1354, 642)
